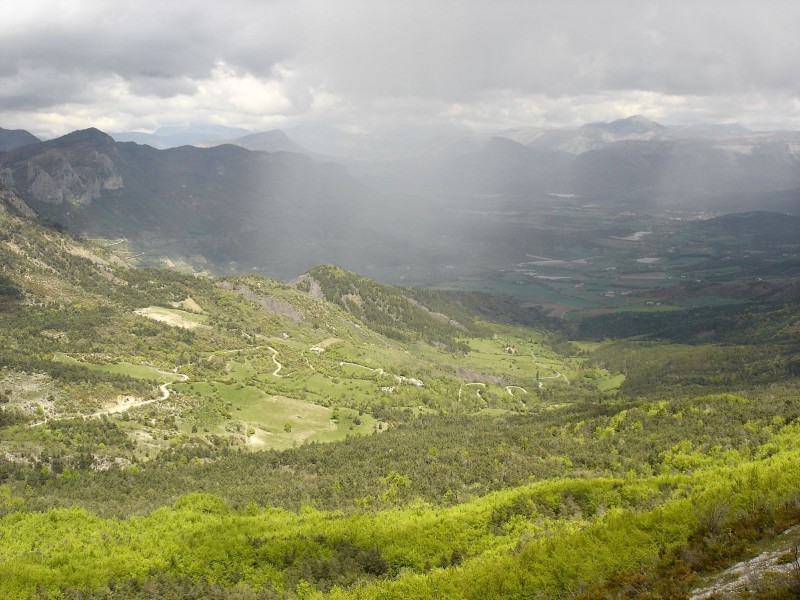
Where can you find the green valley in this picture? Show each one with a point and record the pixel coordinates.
(174, 435)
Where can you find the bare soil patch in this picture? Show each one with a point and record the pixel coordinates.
(329, 342)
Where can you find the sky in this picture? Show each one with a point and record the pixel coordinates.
(367, 66)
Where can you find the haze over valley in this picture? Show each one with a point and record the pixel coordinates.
(466, 217)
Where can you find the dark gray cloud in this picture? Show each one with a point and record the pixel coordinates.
(358, 63)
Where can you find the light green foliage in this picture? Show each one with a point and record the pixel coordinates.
(509, 540)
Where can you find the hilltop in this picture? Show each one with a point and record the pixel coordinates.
(10, 139)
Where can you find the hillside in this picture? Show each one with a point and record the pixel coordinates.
(224, 208)
(248, 340)
(438, 317)
(237, 437)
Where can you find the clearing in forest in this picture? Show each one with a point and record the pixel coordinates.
(173, 317)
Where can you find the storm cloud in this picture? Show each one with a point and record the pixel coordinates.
(361, 65)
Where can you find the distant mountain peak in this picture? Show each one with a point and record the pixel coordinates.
(11, 139)
(499, 142)
(629, 125)
(174, 136)
(639, 119)
(92, 134)
(274, 140)
(276, 134)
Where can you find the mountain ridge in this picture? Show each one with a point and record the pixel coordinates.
(226, 203)
(173, 136)
(11, 139)
(226, 208)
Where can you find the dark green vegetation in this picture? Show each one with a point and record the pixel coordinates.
(744, 346)
(164, 435)
(432, 316)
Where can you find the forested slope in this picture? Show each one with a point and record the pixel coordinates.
(170, 436)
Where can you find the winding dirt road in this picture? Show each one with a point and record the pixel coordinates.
(275, 353)
(129, 403)
(558, 374)
(278, 366)
(125, 404)
(379, 371)
(515, 387)
(477, 392)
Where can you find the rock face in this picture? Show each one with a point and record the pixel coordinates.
(308, 284)
(279, 306)
(13, 203)
(62, 182)
(75, 169)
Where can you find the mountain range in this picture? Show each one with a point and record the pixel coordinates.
(264, 202)
(172, 136)
(633, 160)
(268, 141)
(593, 136)
(225, 206)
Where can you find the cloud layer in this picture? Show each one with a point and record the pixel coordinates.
(365, 65)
